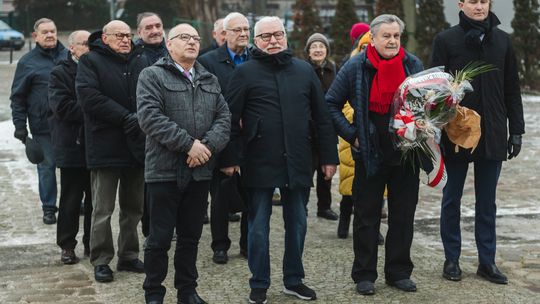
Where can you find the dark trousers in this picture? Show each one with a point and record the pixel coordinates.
(323, 188)
(74, 184)
(168, 207)
(486, 176)
(402, 183)
(346, 205)
(219, 217)
(145, 219)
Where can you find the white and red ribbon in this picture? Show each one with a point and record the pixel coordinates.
(405, 125)
(437, 178)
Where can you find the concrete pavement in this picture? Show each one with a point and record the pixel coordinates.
(31, 272)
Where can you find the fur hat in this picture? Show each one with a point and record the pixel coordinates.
(318, 37)
(357, 30)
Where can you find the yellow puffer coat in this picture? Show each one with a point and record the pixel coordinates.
(346, 162)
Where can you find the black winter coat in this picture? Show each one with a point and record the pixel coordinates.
(496, 96)
(66, 121)
(276, 97)
(153, 52)
(326, 73)
(106, 85)
(353, 84)
(30, 86)
(219, 63)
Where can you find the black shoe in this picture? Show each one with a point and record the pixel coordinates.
(404, 284)
(135, 265)
(381, 239)
(492, 274)
(343, 226)
(365, 288)
(68, 257)
(220, 257)
(257, 296)
(300, 291)
(154, 302)
(103, 273)
(86, 251)
(49, 217)
(234, 217)
(206, 220)
(243, 252)
(191, 299)
(328, 214)
(451, 271)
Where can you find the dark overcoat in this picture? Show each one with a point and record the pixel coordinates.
(278, 99)
(66, 121)
(106, 85)
(496, 96)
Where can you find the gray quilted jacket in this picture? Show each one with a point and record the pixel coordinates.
(173, 112)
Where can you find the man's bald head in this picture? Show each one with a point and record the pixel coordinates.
(115, 24)
(184, 44)
(180, 28)
(117, 35)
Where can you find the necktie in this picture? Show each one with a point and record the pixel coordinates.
(187, 74)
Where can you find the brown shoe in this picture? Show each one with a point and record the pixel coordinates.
(68, 257)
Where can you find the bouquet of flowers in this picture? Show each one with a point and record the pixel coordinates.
(423, 104)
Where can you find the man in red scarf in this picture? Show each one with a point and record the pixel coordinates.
(368, 81)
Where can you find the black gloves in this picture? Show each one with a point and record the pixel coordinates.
(21, 134)
(131, 124)
(514, 146)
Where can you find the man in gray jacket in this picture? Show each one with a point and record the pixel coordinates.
(187, 122)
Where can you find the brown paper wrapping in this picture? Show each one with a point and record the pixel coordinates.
(464, 130)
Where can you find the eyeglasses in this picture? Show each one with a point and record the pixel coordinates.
(268, 36)
(186, 37)
(84, 43)
(239, 30)
(121, 36)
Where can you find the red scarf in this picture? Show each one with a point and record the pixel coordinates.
(390, 74)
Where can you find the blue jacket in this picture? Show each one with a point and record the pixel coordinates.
(352, 84)
(29, 90)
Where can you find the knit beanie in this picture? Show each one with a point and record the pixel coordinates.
(357, 30)
(318, 37)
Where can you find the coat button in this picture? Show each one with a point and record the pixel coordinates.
(284, 154)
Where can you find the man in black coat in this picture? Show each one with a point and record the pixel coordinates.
(222, 63)
(272, 98)
(29, 102)
(106, 84)
(68, 143)
(151, 36)
(497, 98)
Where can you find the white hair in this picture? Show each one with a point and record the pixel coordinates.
(268, 19)
(218, 23)
(230, 17)
(71, 37)
(388, 19)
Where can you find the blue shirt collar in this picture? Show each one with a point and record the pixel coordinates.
(240, 59)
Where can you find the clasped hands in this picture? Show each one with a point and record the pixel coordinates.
(198, 155)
